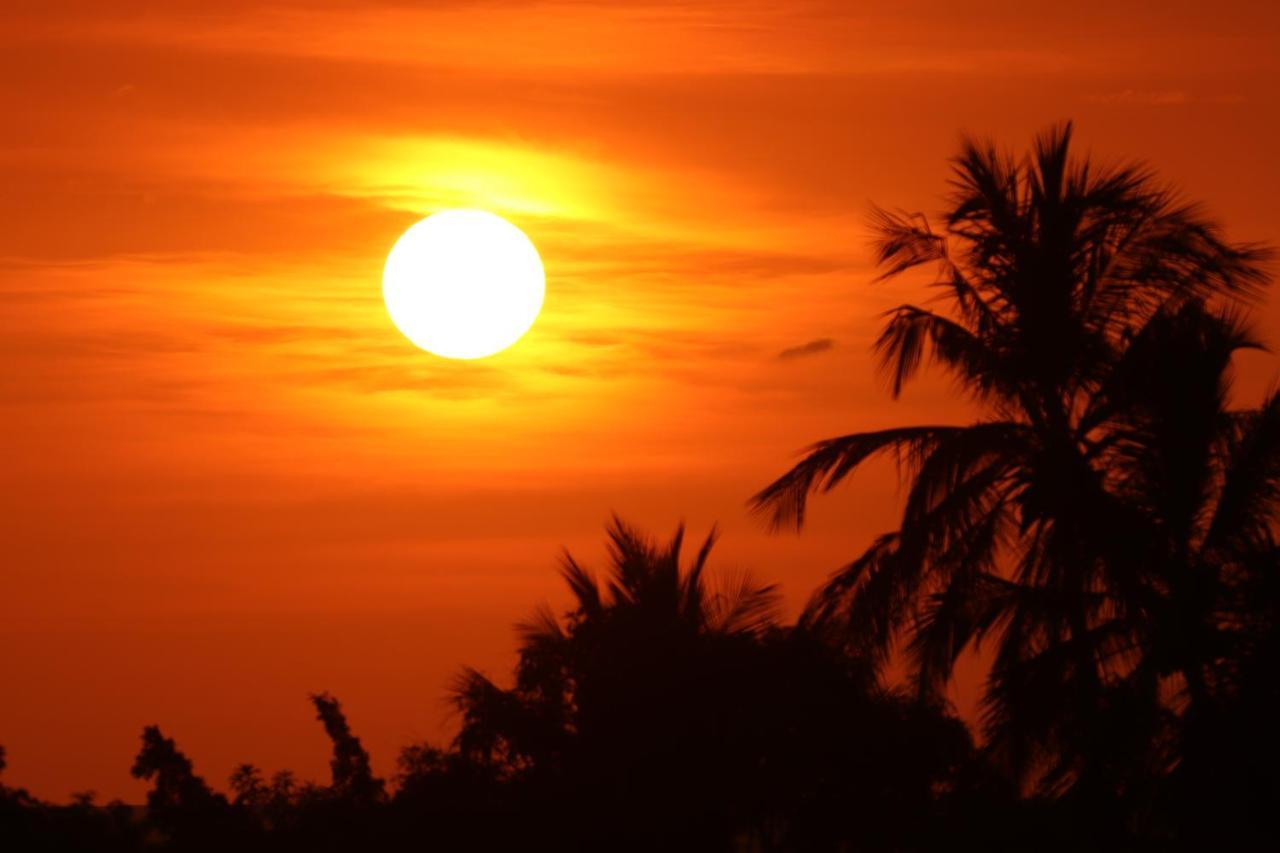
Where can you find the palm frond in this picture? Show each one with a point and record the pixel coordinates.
(903, 241)
(829, 462)
(583, 585)
(912, 334)
(740, 605)
(1245, 516)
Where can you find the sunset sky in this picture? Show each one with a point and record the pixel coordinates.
(226, 480)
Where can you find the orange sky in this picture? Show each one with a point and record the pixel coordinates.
(228, 481)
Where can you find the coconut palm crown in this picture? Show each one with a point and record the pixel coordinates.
(1095, 525)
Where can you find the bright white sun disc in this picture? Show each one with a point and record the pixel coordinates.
(463, 284)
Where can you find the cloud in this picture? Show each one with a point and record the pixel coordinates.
(813, 347)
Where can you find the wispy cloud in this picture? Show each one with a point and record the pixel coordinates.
(814, 347)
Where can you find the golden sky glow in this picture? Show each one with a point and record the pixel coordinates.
(213, 434)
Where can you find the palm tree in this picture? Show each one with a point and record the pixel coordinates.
(1020, 528)
(620, 712)
(650, 614)
(1204, 480)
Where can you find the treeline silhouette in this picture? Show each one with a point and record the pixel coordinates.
(1106, 530)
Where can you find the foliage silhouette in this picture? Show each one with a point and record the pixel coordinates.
(353, 777)
(180, 805)
(666, 710)
(668, 713)
(1100, 523)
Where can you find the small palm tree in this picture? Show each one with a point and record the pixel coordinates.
(1015, 528)
(624, 708)
(650, 614)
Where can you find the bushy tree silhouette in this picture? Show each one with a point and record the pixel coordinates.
(180, 804)
(175, 786)
(250, 789)
(351, 771)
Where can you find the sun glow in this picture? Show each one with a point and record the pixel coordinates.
(463, 284)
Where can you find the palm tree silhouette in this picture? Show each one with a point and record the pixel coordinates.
(1061, 286)
(615, 706)
(1203, 480)
(645, 623)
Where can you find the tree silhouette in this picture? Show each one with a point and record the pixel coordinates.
(175, 786)
(619, 693)
(352, 774)
(1032, 527)
(1205, 479)
(249, 787)
(31, 826)
(666, 712)
(180, 804)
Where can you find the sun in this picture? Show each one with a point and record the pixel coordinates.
(463, 284)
